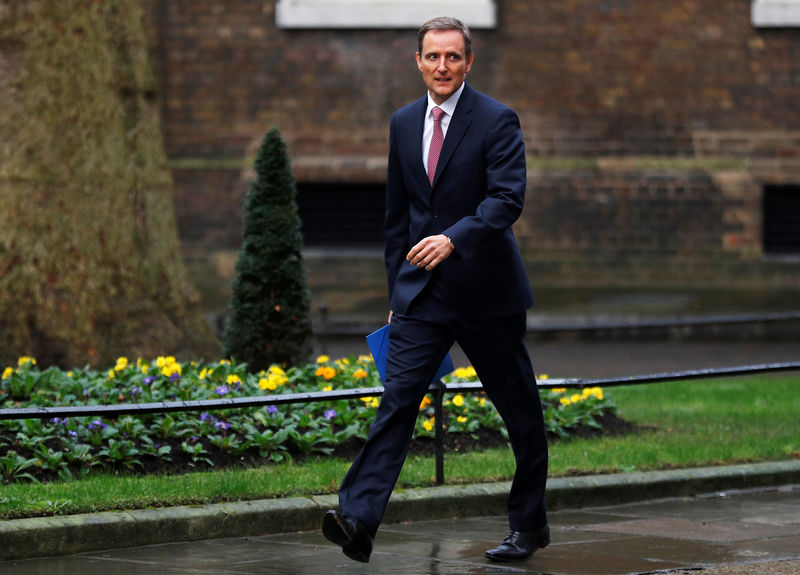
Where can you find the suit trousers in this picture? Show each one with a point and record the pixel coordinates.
(418, 342)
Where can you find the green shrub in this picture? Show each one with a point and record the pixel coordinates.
(269, 321)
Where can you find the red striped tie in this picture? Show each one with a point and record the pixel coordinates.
(436, 143)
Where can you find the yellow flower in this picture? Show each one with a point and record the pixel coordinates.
(273, 378)
(428, 424)
(371, 401)
(224, 362)
(544, 376)
(267, 384)
(559, 389)
(458, 400)
(168, 365)
(170, 370)
(461, 419)
(325, 372)
(145, 368)
(426, 401)
(7, 373)
(465, 372)
(483, 402)
(233, 379)
(564, 401)
(327, 388)
(111, 374)
(25, 359)
(323, 359)
(360, 374)
(575, 398)
(203, 373)
(365, 359)
(122, 363)
(69, 374)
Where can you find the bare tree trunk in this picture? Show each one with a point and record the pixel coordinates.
(90, 266)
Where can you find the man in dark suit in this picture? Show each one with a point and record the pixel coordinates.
(456, 184)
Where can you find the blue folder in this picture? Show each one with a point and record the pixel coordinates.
(378, 342)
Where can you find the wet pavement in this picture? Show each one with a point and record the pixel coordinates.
(754, 531)
(596, 359)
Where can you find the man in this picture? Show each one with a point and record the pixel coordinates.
(456, 184)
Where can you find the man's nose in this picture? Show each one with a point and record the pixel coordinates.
(442, 64)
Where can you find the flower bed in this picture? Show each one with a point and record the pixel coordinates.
(74, 447)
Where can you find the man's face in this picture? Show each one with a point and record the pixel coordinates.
(443, 63)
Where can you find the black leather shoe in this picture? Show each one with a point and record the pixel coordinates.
(349, 533)
(519, 545)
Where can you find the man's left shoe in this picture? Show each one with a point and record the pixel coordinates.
(349, 533)
(519, 545)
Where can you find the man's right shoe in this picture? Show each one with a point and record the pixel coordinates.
(349, 533)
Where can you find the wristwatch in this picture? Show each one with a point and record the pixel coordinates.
(452, 245)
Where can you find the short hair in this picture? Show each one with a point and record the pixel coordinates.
(446, 23)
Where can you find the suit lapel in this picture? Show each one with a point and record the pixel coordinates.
(459, 123)
(415, 140)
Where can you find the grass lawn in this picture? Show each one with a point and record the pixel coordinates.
(683, 424)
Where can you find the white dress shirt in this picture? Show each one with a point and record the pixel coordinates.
(449, 106)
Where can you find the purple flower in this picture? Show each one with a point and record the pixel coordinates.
(97, 424)
(223, 425)
(148, 380)
(222, 390)
(73, 434)
(136, 392)
(57, 420)
(85, 393)
(272, 409)
(175, 377)
(330, 414)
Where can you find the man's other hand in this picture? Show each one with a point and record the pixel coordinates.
(430, 252)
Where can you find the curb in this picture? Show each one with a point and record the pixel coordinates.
(49, 536)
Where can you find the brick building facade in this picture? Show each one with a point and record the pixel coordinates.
(664, 137)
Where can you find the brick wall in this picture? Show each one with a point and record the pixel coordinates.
(601, 86)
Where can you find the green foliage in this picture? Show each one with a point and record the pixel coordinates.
(730, 421)
(78, 447)
(269, 321)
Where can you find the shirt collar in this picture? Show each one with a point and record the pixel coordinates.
(449, 105)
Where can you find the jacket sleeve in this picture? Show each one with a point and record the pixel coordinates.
(396, 221)
(506, 177)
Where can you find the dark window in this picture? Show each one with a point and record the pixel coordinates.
(782, 220)
(341, 214)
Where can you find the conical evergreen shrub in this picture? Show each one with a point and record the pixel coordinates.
(269, 319)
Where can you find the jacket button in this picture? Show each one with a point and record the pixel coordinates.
(435, 216)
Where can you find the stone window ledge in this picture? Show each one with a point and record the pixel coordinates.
(775, 13)
(381, 13)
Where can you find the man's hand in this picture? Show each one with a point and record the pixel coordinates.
(430, 252)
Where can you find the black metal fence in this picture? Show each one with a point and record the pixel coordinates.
(437, 389)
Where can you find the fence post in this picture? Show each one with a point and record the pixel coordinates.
(438, 413)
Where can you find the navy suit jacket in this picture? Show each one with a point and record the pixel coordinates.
(477, 194)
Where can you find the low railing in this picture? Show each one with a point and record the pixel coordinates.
(437, 389)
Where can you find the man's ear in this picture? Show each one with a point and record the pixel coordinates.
(419, 62)
(469, 61)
